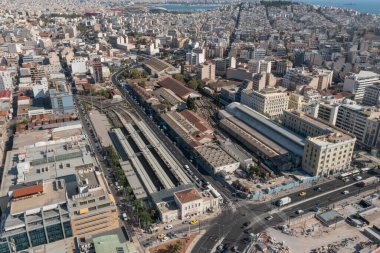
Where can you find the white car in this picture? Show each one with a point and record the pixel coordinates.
(345, 192)
(168, 227)
(164, 239)
(357, 178)
(299, 211)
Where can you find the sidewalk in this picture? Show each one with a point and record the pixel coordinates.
(194, 242)
(268, 197)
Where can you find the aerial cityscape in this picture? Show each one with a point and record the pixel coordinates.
(190, 126)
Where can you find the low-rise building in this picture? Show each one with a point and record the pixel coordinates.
(214, 159)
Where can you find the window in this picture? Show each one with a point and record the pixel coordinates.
(37, 237)
(67, 228)
(91, 201)
(54, 233)
(102, 198)
(21, 241)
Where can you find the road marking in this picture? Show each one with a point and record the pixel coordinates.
(308, 199)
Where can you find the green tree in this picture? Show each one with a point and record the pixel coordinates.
(142, 84)
(179, 77)
(145, 218)
(190, 104)
(193, 84)
(176, 247)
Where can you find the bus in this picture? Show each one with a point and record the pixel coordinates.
(349, 173)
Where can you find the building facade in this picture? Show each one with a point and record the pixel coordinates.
(270, 102)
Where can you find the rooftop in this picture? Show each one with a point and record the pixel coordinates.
(215, 155)
(188, 195)
(176, 86)
(54, 192)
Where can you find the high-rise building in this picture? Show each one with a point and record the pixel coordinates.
(97, 70)
(263, 80)
(362, 121)
(206, 71)
(372, 95)
(255, 66)
(357, 83)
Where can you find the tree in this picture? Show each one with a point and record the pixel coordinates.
(176, 247)
(145, 218)
(193, 84)
(142, 84)
(190, 104)
(178, 77)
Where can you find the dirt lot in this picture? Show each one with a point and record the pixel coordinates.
(164, 247)
(312, 235)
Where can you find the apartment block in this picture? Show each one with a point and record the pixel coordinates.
(206, 71)
(358, 83)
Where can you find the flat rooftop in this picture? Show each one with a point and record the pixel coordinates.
(52, 194)
(45, 160)
(215, 155)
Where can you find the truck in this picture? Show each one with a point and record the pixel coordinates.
(283, 201)
(368, 181)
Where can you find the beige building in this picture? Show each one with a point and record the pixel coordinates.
(295, 101)
(206, 71)
(270, 102)
(185, 202)
(93, 209)
(263, 80)
(328, 150)
(328, 154)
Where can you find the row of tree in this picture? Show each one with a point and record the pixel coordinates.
(145, 218)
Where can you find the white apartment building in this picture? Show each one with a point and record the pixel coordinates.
(221, 65)
(319, 79)
(6, 81)
(256, 66)
(269, 101)
(363, 122)
(372, 95)
(79, 65)
(197, 56)
(357, 83)
(206, 71)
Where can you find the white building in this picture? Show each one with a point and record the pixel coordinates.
(256, 66)
(197, 56)
(79, 65)
(357, 83)
(206, 71)
(6, 81)
(270, 102)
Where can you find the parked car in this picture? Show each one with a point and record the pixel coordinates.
(168, 227)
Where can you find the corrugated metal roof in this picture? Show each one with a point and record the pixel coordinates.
(28, 190)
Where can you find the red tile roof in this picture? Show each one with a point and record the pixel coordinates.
(196, 120)
(188, 195)
(176, 86)
(28, 190)
(5, 94)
